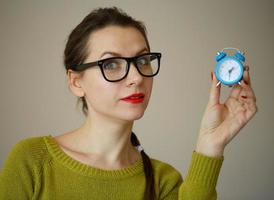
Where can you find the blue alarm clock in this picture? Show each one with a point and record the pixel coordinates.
(229, 68)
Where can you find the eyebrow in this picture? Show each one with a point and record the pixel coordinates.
(119, 55)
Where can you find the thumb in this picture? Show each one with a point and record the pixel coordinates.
(214, 96)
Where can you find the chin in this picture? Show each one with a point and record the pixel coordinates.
(130, 116)
(131, 112)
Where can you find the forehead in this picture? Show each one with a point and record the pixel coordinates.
(126, 41)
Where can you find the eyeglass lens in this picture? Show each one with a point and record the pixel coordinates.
(116, 69)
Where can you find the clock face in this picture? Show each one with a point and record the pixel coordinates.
(229, 71)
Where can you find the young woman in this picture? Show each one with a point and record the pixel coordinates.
(110, 67)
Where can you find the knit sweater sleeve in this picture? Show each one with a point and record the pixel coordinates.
(200, 182)
(20, 170)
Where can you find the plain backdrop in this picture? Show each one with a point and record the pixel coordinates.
(35, 99)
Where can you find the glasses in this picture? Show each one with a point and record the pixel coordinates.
(116, 68)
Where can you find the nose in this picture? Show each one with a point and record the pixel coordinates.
(134, 77)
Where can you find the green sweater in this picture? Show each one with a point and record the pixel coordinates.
(37, 168)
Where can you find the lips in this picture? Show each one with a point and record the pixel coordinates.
(135, 98)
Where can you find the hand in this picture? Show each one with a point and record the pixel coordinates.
(222, 122)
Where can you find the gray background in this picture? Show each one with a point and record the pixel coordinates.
(35, 99)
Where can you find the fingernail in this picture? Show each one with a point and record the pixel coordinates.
(246, 82)
(211, 75)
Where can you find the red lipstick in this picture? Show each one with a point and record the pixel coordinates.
(135, 98)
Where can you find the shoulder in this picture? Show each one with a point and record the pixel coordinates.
(165, 173)
(29, 150)
(31, 144)
(167, 178)
(22, 167)
(164, 169)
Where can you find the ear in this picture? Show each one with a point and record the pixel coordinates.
(74, 82)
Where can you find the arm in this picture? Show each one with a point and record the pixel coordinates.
(16, 175)
(200, 182)
(220, 124)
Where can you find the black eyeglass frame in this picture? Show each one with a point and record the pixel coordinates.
(100, 63)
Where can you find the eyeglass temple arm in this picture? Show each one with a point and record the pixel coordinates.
(84, 66)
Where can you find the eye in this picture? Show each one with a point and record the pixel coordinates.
(112, 64)
(144, 60)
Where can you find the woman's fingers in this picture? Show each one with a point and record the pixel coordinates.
(235, 92)
(243, 91)
(247, 93)
(214, 97)
(237, 89)
(246, 75)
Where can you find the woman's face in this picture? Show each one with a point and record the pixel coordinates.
(103, 97)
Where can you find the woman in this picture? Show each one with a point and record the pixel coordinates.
(110, 68)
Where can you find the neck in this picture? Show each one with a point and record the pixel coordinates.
(107, 140)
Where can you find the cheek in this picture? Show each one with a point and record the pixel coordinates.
(148, 86)
(98, 91)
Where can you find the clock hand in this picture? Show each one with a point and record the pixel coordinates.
(229, 73)
(231, 70)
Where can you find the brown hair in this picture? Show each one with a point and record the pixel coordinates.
(76, 52)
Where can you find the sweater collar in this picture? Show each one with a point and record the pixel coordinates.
(61, 157)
